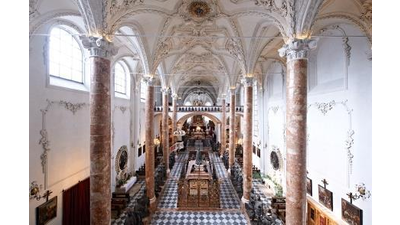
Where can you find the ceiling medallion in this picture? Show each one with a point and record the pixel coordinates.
(199, 9)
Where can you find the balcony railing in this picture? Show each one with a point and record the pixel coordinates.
(198, 109)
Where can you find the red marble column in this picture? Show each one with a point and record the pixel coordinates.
(247, 138)
(232, 133)
(149, 135)
(174, 115)
(223, 128)
(165, 131)
(296, 129)
(100, 129)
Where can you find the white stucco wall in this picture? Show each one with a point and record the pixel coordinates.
(345, 84)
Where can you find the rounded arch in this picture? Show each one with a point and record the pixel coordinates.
(187, 116)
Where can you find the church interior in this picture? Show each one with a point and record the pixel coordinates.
(200, 112)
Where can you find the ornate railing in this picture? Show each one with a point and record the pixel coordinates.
(198, 109)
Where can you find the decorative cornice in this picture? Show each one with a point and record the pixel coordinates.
(297, 48)
(99, 47)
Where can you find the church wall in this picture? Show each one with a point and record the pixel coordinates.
(339, 118)
(67, 130)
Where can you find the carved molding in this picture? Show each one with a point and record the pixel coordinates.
(99, 47)
(345, 40)
(349, 144)
(44, 141)
(324, 108)
(297, 48)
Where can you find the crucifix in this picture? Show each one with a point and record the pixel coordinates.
(351, 197)
(324, 182)
(47, 195)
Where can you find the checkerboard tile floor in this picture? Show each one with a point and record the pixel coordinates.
(183, 217)
(121, 219)
(228, 198)
(263, 197)
(176, 170)
(169, 199)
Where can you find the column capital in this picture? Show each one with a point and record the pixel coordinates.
(247, 81)
(149, 80)
(232, 89)
(165, 91)
(174, 96)
(297, 48)
(98, 46)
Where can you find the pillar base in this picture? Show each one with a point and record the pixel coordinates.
(245, 200)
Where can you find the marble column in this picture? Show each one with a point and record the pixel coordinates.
(100, 129)
(223, 127)
(296, 128)
(174, 115)
(247, 138)
(164, 126)
(232, 133)
(149, 135)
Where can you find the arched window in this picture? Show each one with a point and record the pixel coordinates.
(65, 56)
(120, 77)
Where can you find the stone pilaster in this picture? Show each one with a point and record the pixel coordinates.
(223, 128)
(149, 135)
(296, 52)
(247, 138)
(232, 133)
(100, 129)
(174, 115)
(165, 131)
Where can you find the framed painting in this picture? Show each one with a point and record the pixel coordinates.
(46, 212)
(258, 152)
(139, 151)
(325, 197)
(351, 213)
(309, 186)
(254, 149)
(144, 149)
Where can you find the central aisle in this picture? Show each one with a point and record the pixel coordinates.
(167, 212)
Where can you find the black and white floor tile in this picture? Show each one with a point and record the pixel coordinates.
(121, 219)
(183, 217)
(263, 197)
(169, 198)
(228, 198)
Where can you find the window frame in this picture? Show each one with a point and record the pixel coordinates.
(127, 73)
(56, 82)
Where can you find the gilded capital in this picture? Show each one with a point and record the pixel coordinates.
(99, 47)
(297, 48)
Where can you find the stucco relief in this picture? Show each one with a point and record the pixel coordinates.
(44, 141)
(324, 108)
